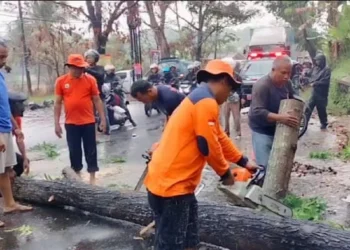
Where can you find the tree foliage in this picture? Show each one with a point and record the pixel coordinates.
(301, 15)
(101, 24)
(208, 17)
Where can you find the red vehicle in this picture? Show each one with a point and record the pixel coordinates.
(268, 43)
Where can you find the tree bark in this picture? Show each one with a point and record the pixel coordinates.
(283, 152)
(225, 226)
(25, 51)
(158, 29)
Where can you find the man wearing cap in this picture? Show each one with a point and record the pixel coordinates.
(192, 138)
(78, 92)
(97, 71)
(267, 94)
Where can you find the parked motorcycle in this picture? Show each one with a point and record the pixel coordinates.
(114, 99)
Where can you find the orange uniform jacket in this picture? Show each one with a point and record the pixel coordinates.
(192, 137)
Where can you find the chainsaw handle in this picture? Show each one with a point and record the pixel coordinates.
(147, 157)
(259, 175)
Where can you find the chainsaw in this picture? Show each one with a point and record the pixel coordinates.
(247, 192)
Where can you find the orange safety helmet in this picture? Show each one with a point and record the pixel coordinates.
(241, 174)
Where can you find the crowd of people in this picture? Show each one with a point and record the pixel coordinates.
(192, 136)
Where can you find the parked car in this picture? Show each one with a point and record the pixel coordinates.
(180, 64)
(254, 70)
(126, 77)
(251, 73)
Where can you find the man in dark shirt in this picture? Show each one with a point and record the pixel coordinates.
(98, 72)
(165, 97)
(267, 94)
(320, 81)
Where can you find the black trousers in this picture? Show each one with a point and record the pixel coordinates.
(321, 105)
(19, 167)
(176, 221)
(76, 135)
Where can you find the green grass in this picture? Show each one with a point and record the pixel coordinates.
(113, 160)
(339, 102)
(321, 155)
(311, 209)
(345, 154)
(49, 149)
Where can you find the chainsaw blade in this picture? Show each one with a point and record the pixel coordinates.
(275, 206)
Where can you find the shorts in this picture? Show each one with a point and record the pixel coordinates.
(7, 158)
(176, 221)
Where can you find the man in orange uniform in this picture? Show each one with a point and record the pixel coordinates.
(192, 137)
(78, 92)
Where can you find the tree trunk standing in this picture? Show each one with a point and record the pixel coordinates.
(38, 78)
(158, 29)
(283, 152)
(333, 19)
(226, 226)
(200, 34)
(25, 50)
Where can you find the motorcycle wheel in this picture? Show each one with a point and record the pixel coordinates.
(303, 126)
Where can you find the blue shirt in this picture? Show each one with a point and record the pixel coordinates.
(5, 111)
(168, 99)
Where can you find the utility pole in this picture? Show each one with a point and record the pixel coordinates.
(134, 22)
(25, 50)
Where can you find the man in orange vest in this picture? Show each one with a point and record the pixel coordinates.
(78, 92)
(193, 137)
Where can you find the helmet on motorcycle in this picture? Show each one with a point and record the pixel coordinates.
(154, 66)
(197, 63)
(230, 61)
(109, 67)
(106, 88)
(92, 53)
(166, 69)
(191, 66)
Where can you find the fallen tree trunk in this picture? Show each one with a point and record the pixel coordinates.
(227, 226)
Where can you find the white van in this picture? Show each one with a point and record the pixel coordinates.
(126, 77)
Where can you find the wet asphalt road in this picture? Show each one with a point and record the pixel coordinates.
(58, 229)
(61, 229)
(126, 143)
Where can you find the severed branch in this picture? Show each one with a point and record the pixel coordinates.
(184, 19)
(116, 14)
(78, 9)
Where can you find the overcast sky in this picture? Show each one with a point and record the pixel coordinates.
(264, 19)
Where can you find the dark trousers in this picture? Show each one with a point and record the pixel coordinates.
(19, 167)
(76, 134)
(176, 221)
(321, 105)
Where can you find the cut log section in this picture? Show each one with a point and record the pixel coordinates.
(283, 151)
(226, 226)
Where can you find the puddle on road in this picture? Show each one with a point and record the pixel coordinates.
(58, 229)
